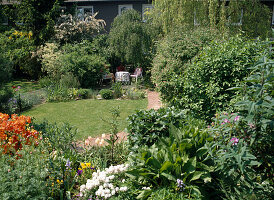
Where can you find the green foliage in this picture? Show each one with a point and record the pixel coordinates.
(174, 52)
(256, 106)
(146, 126)
(87, 68)
(130, 39)
(235, 167)
(181, 158)
(106, 93)
(37, 16)
(57, 93)
(17, 53)
(226, 16)
(134, 93)
(117, 90)
(26, 177)
(5, 95)
(203, 88)
(69, 28)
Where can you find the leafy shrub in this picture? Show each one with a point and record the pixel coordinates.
(178, 162)
(174, 52)
(87, 68)
(106, 94)
(5, 94)
(68, 80)
(134, 93)
(255, 104)
(235, 166)
(76, 28)
(117, 90)
(130, 39)
(26, 177)
(146, 126)
(203, 88)
(19, 49)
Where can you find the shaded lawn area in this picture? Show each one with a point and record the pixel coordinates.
(86, 115)
(26, 85)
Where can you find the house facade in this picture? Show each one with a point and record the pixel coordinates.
(107, 9)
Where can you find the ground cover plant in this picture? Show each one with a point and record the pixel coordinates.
(85, 115)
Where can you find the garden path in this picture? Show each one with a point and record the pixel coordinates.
(154, 102)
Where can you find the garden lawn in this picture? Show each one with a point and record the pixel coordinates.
(26, 85)
(86, 115)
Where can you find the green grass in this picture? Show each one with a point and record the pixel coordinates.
(26, 85)
(86, 115)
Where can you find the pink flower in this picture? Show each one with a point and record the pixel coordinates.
(234, 141)
(226, 121)
(237, 118)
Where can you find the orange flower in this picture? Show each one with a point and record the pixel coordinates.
(15, 131)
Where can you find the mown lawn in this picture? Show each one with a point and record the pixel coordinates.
(86, 115)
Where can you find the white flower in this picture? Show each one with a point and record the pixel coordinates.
(82, 188)
(123, 189)
(123, 180)
(103, 135)
(113, 192)
(117, 189)
(110, 186)
(105, 185)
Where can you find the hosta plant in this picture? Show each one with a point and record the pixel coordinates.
(179, 162)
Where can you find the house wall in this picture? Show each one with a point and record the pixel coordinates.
(108, 10)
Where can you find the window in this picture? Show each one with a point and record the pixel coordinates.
(81, 11)
(122, 8)
(146, 8)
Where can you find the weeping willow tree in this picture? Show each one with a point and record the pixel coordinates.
(248, 16)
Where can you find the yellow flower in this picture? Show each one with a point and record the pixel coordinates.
(79, 168)
(88, 165)
(10, 37)
(58, 181)
(83, 165)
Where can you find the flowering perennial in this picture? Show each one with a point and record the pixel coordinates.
(101, 182)
(234, 141)
(15, 131)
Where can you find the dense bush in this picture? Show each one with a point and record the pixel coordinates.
(146, 126)
(255, 106)
(174, 52)
(130, 39)
(19, 49)
(203, 87)
(69, 28)
(106, 94)
(178, 162)
(87, 68)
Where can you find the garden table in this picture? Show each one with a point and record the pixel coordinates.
(123, 77)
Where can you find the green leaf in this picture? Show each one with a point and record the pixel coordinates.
(190, 166)
(153, 162)
(196, 175)
(144, 194)
(168, 176)
(166, 166)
